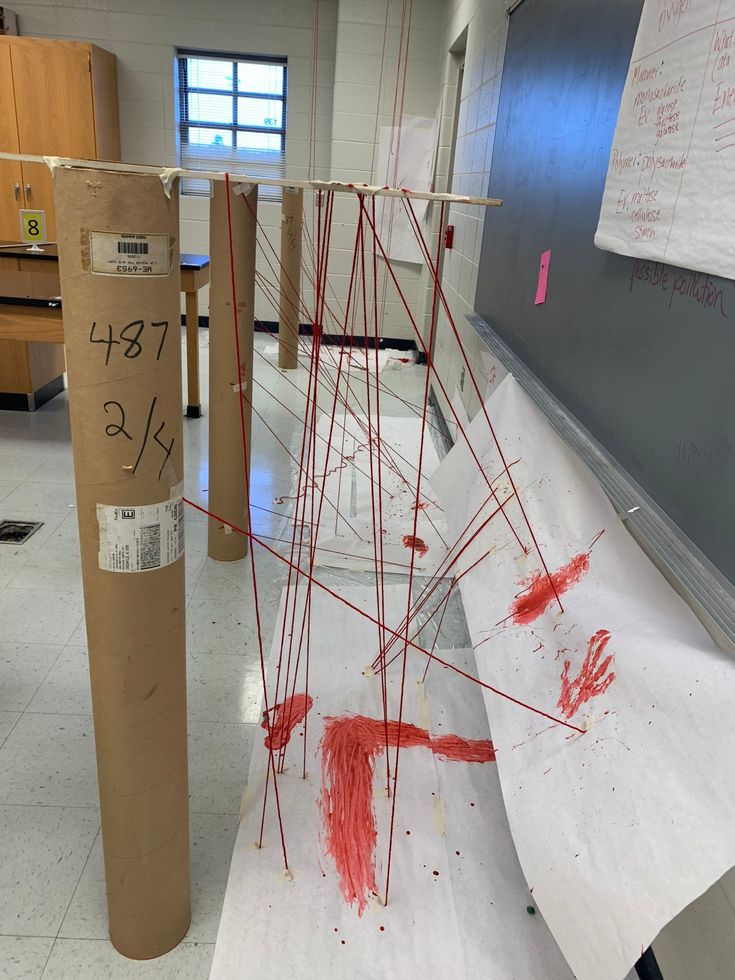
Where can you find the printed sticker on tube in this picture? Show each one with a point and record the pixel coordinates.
(118, 254)
(141, 538)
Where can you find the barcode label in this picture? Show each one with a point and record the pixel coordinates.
(128, 254)
(150, 547)
(141, 538)
(132, 248)
(180, 522)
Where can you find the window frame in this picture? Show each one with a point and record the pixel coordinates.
(184, 121)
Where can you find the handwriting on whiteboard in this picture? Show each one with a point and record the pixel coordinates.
(681, 284)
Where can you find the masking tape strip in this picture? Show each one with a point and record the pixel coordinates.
(168, 175)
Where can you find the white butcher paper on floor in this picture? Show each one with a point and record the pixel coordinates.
(469, 920)
(334, 358)
(346, 541)
(361, 363)
(621, 827)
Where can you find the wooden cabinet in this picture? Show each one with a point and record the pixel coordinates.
(57, 98)
(10, 172)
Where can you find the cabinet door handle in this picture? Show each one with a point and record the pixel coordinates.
(28, 190)
(16, 191)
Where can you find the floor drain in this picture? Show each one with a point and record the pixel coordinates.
(17, 532)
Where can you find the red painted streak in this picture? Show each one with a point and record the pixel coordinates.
(350, 745)
(418, 544)
(286, 716)
(538, 593)
(592, 680)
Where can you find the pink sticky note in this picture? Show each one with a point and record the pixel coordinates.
(543, 277)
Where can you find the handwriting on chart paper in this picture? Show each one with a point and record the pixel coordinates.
(670, 188)
(543, 277)
(143, 426)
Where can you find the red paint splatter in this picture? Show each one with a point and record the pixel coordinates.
(418, 544)
(422, 505)
(538, 592)
(350, 745)
(592, 680)
(286, 716)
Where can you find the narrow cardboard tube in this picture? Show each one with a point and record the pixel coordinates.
(290, 278)
(232, 269)
(123, 352)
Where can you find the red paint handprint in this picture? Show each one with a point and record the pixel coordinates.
(593, 678)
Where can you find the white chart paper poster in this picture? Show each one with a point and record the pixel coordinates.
(669, 194)
(406, 157)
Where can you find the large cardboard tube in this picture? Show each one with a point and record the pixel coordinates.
(230, 383)
(119, 263)
(290, 291)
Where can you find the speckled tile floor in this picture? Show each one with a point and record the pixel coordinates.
(52, 900)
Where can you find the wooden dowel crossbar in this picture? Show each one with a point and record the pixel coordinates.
(169, 174)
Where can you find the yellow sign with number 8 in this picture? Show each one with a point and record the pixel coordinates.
(32, 227)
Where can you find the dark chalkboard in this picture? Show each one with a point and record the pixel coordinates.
(642, 354)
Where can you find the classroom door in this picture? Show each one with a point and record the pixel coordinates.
(53, 100)
(11, 194)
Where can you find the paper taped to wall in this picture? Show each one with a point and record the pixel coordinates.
(670, 188)
(406, 155)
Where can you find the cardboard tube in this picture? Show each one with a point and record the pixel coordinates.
(290, 296)
(230, 384)
(119, 264)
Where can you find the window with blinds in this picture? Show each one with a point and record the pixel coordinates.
(232, 116)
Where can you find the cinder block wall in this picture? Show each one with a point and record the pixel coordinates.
(144, 35)
(354, 48)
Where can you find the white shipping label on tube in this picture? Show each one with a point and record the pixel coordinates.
(126, 254)
(141, 538)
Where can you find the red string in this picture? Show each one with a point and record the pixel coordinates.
(410, 584)
(258, 539)
(311, 421)
(245, 453)
(431, 366)
(483, 408)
